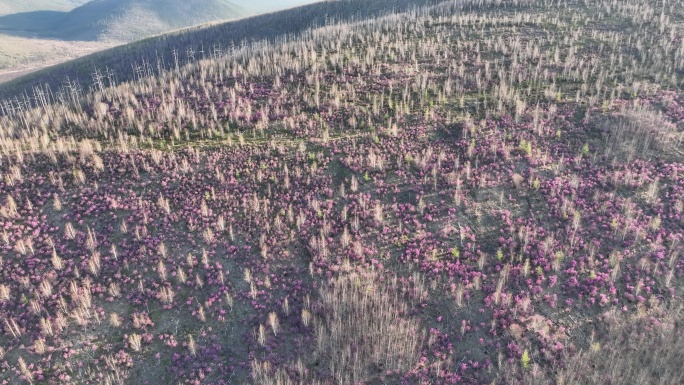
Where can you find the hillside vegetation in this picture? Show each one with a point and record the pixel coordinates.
(203, 42)
(39, 34)
(469, 192)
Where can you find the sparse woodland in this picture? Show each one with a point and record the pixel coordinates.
(474, 192)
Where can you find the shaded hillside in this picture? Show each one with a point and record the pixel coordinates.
(120, 20)
(8, 7)
(123, 20)
(128, 20)
(41, 23)
(190, 43)
(43, 34)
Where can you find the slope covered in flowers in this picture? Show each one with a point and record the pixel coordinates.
(465, 193)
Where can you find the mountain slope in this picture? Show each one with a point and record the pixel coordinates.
(267, 26)
(262, 6)
(127, 20)
(479, 192)
(42, 33)
(119, 20)
(8, 7)
(122, 20)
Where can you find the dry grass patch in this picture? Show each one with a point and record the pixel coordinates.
(644, 349)
(640, 132)
(364, 330)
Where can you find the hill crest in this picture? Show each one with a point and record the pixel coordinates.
(120, 20)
